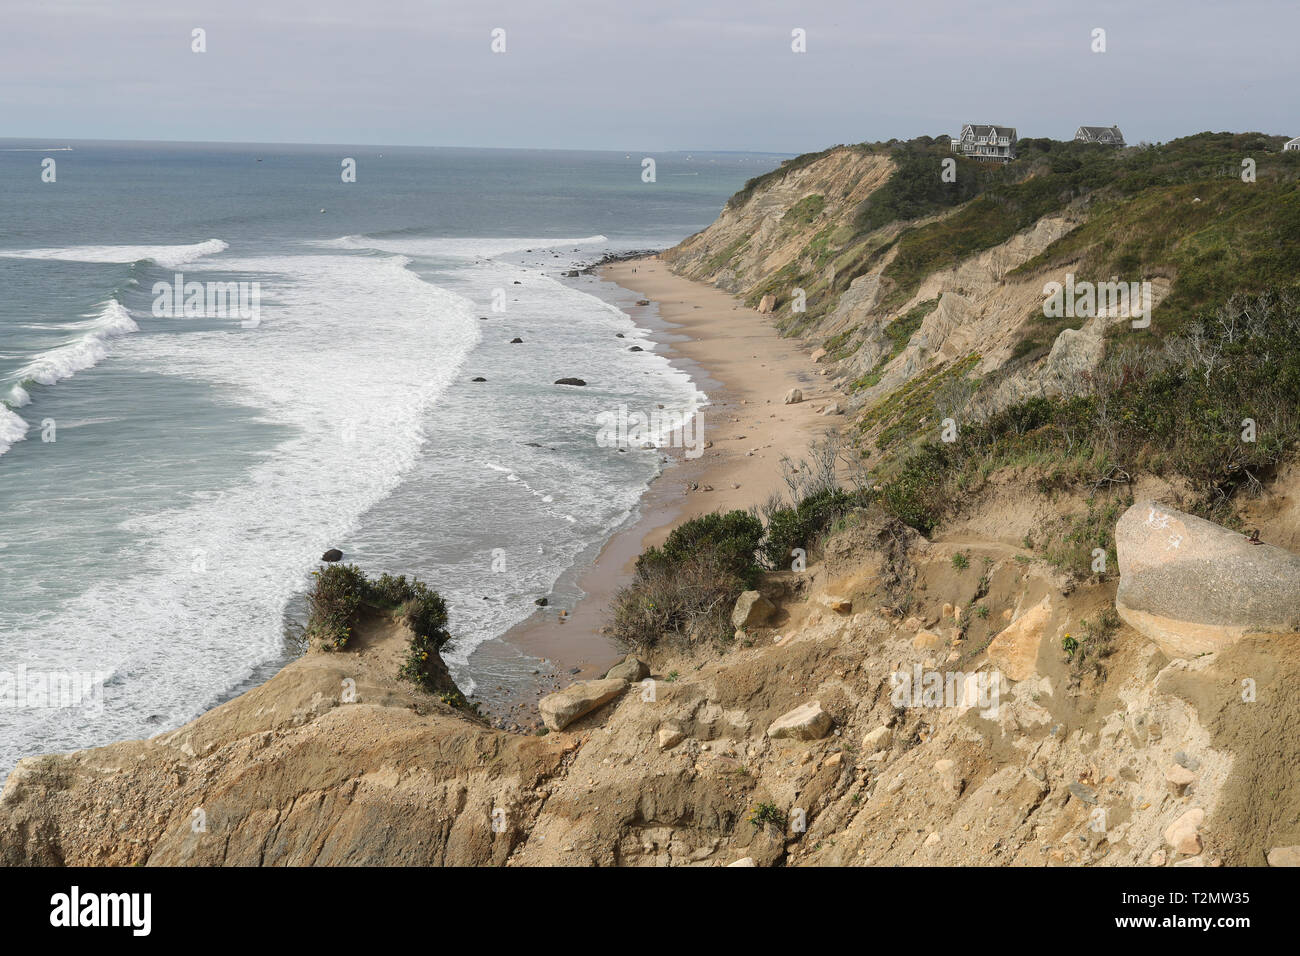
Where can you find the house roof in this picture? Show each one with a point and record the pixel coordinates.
(990, 129)
(1102, 134)
(1290, 141)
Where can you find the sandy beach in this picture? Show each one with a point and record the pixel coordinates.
(746, 368)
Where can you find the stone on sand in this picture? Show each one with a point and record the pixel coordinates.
(806, 722)
(562, 708)
(751, 610)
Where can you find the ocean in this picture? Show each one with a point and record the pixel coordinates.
(171, 470)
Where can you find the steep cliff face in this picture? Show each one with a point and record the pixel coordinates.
(687, 769)
(771, 227)
(796, 235)
(898, 269)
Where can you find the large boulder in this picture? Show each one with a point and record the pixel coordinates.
(751, 610)
(1193, 587)
(807, 722)
(562, 708)
(630, 669)
(767, 304)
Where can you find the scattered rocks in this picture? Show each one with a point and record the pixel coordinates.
(1084, 793)
(1184, 760)
(837, 603)
(751, 610)
(806, 722)
(562, 708)
(670, 735)
(927, 641)
(1015, 650)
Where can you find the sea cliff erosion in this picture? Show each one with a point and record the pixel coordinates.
(945, 594)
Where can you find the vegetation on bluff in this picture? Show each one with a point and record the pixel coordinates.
(342, 590)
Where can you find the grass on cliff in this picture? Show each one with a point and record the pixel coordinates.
(1145, 219)
(341, 590)
(1218, 405)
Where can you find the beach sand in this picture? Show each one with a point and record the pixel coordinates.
(739, 360)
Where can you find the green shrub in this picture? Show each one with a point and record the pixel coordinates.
(341, 590)
(335, 599)
(767, 814)
(914, 494)
(690, 584)
(801, 525)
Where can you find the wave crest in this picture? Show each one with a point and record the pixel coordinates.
(169, 257)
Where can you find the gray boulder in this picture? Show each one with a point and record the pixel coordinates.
(1193, 586)
(562, 708)
(751, 610)
(631, 669)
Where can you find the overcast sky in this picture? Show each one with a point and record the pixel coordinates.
(654, 74)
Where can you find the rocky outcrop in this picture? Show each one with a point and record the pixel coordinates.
(335, 761)
(1193, 587)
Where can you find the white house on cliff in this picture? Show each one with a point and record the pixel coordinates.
(991, 142)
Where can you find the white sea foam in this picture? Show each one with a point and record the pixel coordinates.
(349, 357)
(169, 257)
(88, 349)
(12, 429)
(456, 248)
(56, 364)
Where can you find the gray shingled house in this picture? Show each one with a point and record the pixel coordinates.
(991, 142)
(1106, 135)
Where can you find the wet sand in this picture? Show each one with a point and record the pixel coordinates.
(740, 361)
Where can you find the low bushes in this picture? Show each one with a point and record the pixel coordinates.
(801, 525)
(340, 592)
(689, 585)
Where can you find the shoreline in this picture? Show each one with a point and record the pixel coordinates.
(737, 358)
